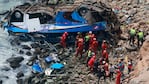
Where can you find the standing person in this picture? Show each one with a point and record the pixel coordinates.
(79, 35)
(112, 70)
(79, 49)
(121, 66)
(86, 38)
(140, 38)
(104, 45)
(94, 46)
(89, 55)
(130, 66)
(91, 36)
(101, 73)
(63, 39)
(96, 64)
(132, 33)
(106, 68)
(118, 77)
(91, 62)
(105, 55)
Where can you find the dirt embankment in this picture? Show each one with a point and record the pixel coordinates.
(135, 14)
(141, 71)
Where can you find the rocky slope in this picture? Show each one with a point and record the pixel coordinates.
(134, 14)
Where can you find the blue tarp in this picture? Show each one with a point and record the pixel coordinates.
(36, 67)
(48, 59)
(57, 66)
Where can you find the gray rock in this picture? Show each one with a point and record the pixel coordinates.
(28, 80)
(20, 74)
(37, 51)
(6, 77)
(131, 48)
(26, 47)
(5, 68)
(14, 65)
(21, 52)
(49, 81)
(15, 61)
(35, 80)
(28, 53)
(35, 45)
(1, 81)
(20, 81)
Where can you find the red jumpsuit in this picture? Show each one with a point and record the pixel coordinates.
(118, 77)
(104, 46)
(79, 49)
(77, 38)
(91, 36)
(105, 55)
(63, 40)
(94, 46)
(106, 68)
(91, 62)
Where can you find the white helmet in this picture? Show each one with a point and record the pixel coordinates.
(90, 32)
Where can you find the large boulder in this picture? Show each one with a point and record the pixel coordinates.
(26, 47)
(20, 74)
(35, 45)
(15, 61)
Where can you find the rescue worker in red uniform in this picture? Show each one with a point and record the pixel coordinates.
(106, 68)
(105, 55)
(79, 49)
(118, 77)
(104, 45)
(63, 39)
(91, 62)
(94, 46)
(79, 35)
(91, 36)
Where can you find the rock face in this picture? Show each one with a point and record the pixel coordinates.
(141, 71)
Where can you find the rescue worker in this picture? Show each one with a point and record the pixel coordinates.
(96, 64)
(79, 49)
(101, 73)
(132, 33)
(140, 38)
(106, 67)
(89, 55)
(86, 38)
(104, 45)
(91, 62)
(91, 36)
(129, 66)
(118, 77)
(105, 55)
(63, 39)
(94, 46)
(111, 70)
(121, 66)
(79, 35)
